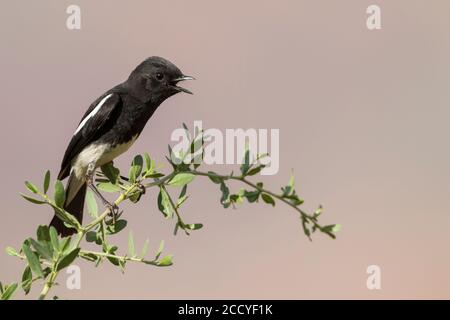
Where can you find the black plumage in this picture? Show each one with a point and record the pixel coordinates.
(110, 126)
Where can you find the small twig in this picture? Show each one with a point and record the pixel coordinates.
(174, 207)
(123, 258)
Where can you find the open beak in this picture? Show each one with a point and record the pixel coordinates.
(181, 89)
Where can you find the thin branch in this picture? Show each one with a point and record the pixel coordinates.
(304, 215)
(123, 258)
(174, 207)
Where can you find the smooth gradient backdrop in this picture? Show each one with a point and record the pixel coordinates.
(363, 118)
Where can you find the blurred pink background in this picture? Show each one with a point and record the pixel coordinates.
(363, 118)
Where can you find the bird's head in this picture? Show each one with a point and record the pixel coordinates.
(156, 79)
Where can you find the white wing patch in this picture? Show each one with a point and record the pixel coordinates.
(93, 113)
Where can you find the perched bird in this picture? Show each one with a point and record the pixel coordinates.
(110, 126)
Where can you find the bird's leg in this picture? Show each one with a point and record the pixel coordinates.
(113, 208)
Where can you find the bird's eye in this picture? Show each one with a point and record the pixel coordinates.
(159, 76)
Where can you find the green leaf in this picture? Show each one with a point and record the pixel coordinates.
(318, 212)
(155, 175)
(291, 180)
(214, 178)
(194, 226)
(54, 239)
(68, 219)
(131, 249)
(331, 229)
(182, 197)
(122, 265)
(305, 228)
(32, 200)
(261, 156)
(290, 187)
(108, 187)
(165, 262)
(181, 179)
(117, 227)
(255, 170)
(337, 228)
(27, 279)
(149, 166)
(46, 245)
(135, 197)
(11, 251)
(33, 261)
(183, 191)
(8, 291)
(293, 198)
(65, 244)
(92, 204)
(136, 168)
(112, 250)
(268, 199)
(31, 187)
(91, 236)
(160, 250)
(236, 198)
(164, 204)
(111, 172)
(89, 256)
(42, 249)
(252, 196)
(198, 144)
(148, 162)
(181, 200)
(246, 163)
(151, 171)
(46, 181)
(43, 233)
(175, 230)
(60, 195)
(225, 199)
(173, 159)
(68, 259)
(145, 248)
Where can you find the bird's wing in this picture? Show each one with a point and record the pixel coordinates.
(97, 120)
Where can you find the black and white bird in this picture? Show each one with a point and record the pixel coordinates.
(110, 126)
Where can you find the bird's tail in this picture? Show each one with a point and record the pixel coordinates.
(74, 204)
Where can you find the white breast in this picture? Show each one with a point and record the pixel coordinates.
(99, 154)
